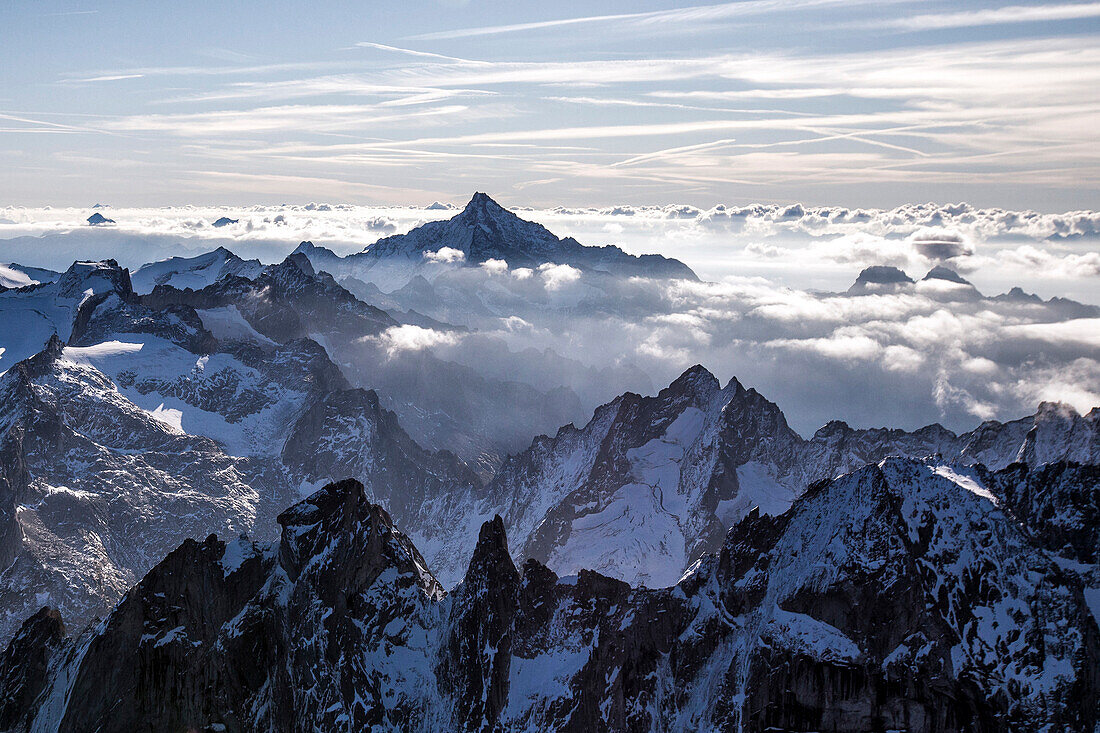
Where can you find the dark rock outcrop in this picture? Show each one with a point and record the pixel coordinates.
(25, 665)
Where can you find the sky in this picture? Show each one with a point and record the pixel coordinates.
(823, 102)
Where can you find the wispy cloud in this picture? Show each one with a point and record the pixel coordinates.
(285, 118)
(110, 77)
(789, 99)
(1010, 14)
(239, 70)
(698, 14)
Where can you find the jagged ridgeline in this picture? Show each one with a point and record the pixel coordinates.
(873, 579)
(902, 596)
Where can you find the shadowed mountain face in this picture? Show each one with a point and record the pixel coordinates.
(899, 597)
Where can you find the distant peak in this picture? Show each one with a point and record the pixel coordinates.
(939, 272)
(879, 279)
(882, 275)
(1056, 409)
(1018, 295)
(833, 427)
(97, 219)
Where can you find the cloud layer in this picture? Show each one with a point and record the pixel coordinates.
(771, 310)
(792, 245)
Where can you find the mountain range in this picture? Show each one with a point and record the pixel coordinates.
(901, 596)
(391, 542)
(184, 396)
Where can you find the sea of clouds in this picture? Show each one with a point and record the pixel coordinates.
(771, 308)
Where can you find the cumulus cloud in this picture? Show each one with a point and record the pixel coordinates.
(558, 276)
(496, 267)
(445, 255)
(1085, 265)
(397, 339)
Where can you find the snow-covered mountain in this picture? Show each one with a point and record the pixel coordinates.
(443, 404)
(194, 272)
(899, 597)
(214, 402)
(651, 483)
(284, 301)
(483, 231)
(33, 313)
(14, 275)
(151, 418)
(146, 428)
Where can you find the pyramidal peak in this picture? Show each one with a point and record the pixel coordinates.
(485, 230)
(481, 203)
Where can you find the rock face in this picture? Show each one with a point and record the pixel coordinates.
(898, 597)
(25, 666)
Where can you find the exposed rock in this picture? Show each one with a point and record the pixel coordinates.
(24, 666)
(899, 597)
(98, 219)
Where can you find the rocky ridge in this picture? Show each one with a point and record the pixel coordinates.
(900, 596)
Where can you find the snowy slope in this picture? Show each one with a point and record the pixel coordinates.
(18, 276)
(194, 272)
(32, 314)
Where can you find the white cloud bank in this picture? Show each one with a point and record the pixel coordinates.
(793, 245)
(929, 351)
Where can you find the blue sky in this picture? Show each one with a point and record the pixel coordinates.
(828, 102)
